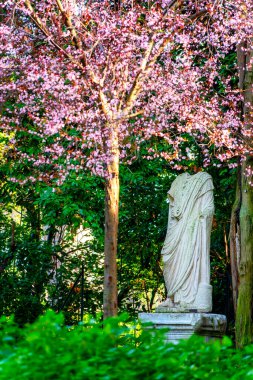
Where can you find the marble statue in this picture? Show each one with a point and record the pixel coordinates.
(186, 257)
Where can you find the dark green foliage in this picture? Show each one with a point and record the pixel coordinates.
(115, 350)
(39, 259)
(142, 230)
(224, 190)
(23, 284)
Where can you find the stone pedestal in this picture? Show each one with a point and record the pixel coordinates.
(184, 325)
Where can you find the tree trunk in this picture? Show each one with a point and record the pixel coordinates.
(244, 208)
(244, 312)
(235, 239)
(111, 231)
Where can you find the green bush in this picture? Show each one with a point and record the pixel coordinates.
(113, 350)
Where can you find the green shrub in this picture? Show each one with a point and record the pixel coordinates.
(113, 350)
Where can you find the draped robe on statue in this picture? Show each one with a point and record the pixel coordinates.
(185, 252)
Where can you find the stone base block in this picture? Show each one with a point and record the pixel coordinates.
(184, 325)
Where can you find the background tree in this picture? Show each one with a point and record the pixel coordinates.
(242, 214)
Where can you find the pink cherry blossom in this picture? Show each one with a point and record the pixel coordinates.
(82, 72)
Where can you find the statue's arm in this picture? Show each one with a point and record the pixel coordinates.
(207, 209)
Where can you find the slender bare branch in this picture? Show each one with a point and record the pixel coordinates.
(171, 3)
(146, 65)
(105, 70)
(137, 113)
(36, 19)
(197, 15)
(141, 112)
(69, 25)
(93, 48)
(138, 80)
(105, 105)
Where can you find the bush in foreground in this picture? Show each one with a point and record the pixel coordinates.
(49, 350)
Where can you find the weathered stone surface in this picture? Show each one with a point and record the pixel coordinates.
(184, 325)
(186, 248)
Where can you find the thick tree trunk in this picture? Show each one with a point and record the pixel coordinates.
(242, 227)
(235, 239)
(244, 312)
(111, 232)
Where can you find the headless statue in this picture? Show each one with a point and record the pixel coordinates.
(186, 250)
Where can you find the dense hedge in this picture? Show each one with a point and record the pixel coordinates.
(49, 350)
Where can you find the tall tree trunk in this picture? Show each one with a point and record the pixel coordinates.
(235, 239)
(244, 311)
(111, 230)
(244, 209)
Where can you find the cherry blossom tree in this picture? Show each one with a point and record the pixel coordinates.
(94, 83)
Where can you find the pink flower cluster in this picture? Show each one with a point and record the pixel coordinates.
(85, 77)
